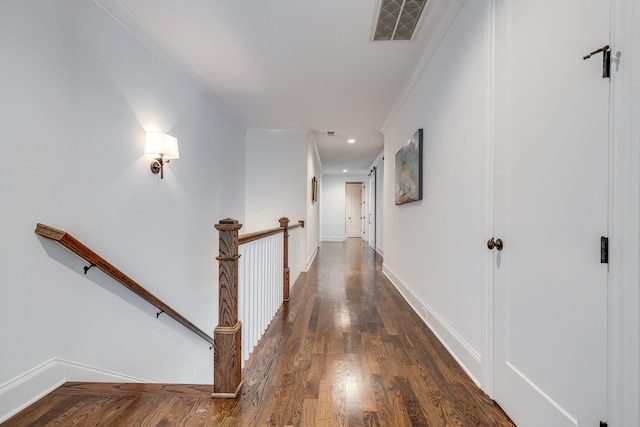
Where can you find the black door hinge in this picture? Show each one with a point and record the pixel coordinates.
(606, 60)
(604, 250)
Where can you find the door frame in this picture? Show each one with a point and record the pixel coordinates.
(624, 227)
(488, 201)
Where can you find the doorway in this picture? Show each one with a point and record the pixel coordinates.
(354, 209)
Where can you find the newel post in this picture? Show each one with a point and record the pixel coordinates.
(227, 347)
(284, 222)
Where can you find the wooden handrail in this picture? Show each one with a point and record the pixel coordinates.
(250, 237)
(69, 242)
(299, 224)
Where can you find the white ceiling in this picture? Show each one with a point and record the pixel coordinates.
(287, 64)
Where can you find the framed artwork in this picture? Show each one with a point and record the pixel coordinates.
(314, 189)
(409, 170)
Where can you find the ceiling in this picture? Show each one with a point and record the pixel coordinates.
(287, 64)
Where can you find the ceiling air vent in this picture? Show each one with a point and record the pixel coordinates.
(398, 19)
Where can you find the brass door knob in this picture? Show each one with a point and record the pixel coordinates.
(497, 244)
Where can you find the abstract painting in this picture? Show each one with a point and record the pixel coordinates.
(409, 170)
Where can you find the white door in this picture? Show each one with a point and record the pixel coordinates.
(551, 198)
(354, 209)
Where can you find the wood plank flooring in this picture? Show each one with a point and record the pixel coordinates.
(347, 350)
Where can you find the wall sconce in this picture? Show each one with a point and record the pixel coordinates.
(164, 146)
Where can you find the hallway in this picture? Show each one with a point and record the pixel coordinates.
(347, 350)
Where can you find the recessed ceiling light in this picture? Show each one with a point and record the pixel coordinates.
(344, 170)
(351, 141)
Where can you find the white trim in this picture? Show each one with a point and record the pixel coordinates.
(332, 239)
(310, 260)
(466, 356)
(32, 385)
(292, 131)
(624, 214)
(488, 200)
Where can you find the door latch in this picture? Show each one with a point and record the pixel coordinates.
(604, 250)
(606, 60)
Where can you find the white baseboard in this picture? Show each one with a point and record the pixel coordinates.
(28, 387)
(310, 259)
(332, 239)
(468, 358)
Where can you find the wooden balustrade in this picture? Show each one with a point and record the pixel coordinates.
(228, 333)
(227, 342)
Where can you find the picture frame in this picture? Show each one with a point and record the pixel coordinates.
(314, 190)
(408, 187)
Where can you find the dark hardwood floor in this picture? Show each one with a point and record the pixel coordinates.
(346, 351)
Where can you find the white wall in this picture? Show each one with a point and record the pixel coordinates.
(276, 178)
(431, 247)
(279, 168)
(312, 225)
(332, 205)
(78, 92)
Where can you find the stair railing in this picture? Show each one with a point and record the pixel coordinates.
(254, 282)
(264, 286)
(72, 244)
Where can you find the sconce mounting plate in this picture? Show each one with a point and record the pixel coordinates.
(156, 166)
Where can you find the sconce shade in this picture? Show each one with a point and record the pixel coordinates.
(161, 144)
